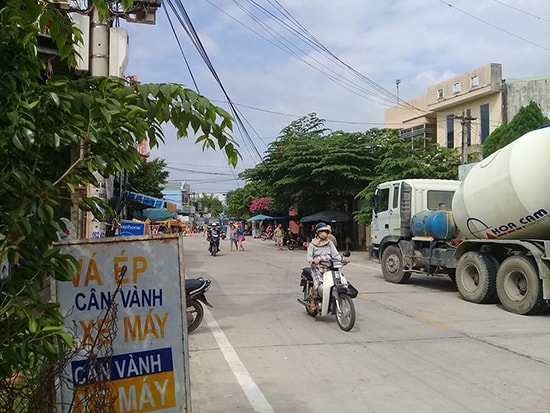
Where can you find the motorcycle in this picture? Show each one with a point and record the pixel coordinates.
(214, 247)
(294, 241)
(266, 235)
(195, 288)
(334, 295)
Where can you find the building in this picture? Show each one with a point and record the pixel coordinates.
(461, 112)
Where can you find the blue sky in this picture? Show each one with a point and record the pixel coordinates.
(419, 42)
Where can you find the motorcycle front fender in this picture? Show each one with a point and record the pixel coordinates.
(328, 283)
(202, 299)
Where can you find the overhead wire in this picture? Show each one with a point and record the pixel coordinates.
(495, 26)
(193, 35)
(522, 11)
(181, 50)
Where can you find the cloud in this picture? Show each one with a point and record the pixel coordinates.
(264, 65)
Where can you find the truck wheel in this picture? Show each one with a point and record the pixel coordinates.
(392, 265)
(476, 275)
(519, 287)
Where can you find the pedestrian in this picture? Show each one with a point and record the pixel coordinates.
(278, 234)
(232, 237)
(240, 238)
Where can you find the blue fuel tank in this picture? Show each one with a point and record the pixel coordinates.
(436, 224)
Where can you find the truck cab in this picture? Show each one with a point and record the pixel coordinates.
(395, 203)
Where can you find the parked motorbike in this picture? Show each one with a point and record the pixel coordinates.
(294, 241)
(195, 288)
(266, 235)
(334, 295)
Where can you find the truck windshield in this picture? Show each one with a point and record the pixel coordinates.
(440, 200)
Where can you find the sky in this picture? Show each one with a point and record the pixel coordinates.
(279, 60)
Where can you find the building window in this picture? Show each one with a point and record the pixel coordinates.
(440, 93)
(456, 87)
(484, 122)
(474, 81)
(450, 131)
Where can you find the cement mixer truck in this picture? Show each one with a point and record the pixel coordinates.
(490, 232)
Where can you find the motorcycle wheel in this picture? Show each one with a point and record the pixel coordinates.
(195, 314)
(307, 298)
(346, 316)
(214, 250)
(291, 245)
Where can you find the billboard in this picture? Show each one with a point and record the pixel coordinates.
(126, 308)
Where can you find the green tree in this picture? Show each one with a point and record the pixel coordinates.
(528, 118)
(150, 178)
(211, 205)
(315, 168)
(400, 159)
(239, 200)
(42, 123)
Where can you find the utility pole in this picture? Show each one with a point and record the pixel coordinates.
(397, 82)
(465, 120)
(108, 57)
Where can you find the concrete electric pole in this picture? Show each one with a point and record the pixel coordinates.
(108, 56)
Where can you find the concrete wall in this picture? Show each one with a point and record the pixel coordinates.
(520, 92)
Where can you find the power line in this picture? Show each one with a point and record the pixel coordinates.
(495, 26)
(522, 11)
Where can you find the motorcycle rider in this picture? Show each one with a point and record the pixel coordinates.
(213, 236)
(320, 249)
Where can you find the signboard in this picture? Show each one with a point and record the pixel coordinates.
(128, 314)
(129, 228)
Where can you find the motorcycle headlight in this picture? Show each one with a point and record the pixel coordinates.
(337, 264)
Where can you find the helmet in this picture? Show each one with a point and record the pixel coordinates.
(321, 226)
(214, 225)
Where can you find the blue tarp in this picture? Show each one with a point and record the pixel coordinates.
(154, 214)
(260, 217)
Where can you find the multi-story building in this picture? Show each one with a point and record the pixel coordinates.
(461, 112)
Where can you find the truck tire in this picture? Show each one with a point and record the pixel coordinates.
(476, 275)
(392, 265)
(519, 287)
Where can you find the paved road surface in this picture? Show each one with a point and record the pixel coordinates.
(415, 348)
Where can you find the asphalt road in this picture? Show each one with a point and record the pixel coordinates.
(414, 348)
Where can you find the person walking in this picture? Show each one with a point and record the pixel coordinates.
(240, 238)
(278, 234)
(232, 237)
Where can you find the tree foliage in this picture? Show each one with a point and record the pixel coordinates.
(211, 205)
(261, 205)
(54, 135)
(400, 159)
(150, 178)
(239, 200)
(528, 118)
(314, 168)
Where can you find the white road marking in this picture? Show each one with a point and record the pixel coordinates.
(251, 390)
(365, 266)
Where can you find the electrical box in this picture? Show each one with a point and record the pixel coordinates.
(83, 49)
(118, 51)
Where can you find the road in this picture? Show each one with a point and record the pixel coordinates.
(414, 348)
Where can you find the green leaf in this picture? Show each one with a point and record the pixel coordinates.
(17, 143)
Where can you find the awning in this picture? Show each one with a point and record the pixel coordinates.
(260, 217)
(328, 216)
(145, 200)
